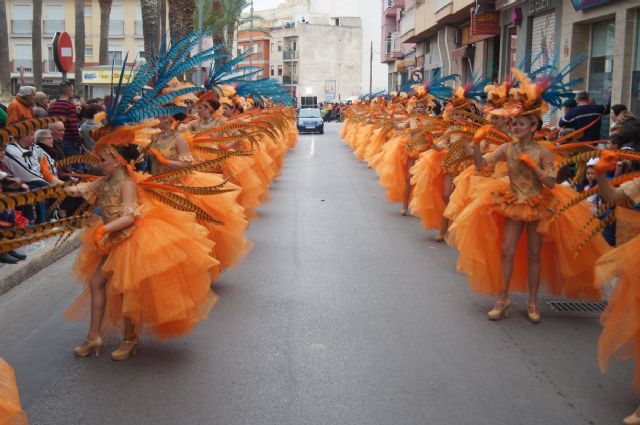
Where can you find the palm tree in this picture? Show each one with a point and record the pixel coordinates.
(5, 76)
(222, 18)
(80, 45)
(162, 10)
(36, 44)
(150, 26)
(105, 14)
(181, 16)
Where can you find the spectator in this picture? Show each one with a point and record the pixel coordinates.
(583, 115)
(45, 140)
(88, 125)
(77, 102)
(10, 217)
(32, 165)
(63, 107)
(21, 108)
(568, 105)
(41, 105)
(624, 122)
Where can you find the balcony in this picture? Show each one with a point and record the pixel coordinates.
(116, 28)
(288, 80)
(290, 55)
(26, 63)
(51, 27)
(408, 24)
(21, 28)
(138, 29)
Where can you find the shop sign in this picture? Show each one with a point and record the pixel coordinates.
(586, 4)
(103, 76)
(536, 6)
(403, 65)
(484, 26)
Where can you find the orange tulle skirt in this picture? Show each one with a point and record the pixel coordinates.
(231, 244)
(393, 168)
(620, 336)
(427, 199)
(363, 139)
(159, 276)
(480, 225)
(10, 411)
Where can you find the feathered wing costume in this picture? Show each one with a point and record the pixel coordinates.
(160, 269)
(480, 224)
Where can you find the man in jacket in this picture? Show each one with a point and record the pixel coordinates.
(21, 108)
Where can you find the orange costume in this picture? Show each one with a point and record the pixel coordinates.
(158, 269)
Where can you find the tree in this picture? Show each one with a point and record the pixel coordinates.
(162, 9)
(150, 25)
(80, 45)
(181, 15)
(105, 14)
(222, 19)
(36, 44)
(5, 76)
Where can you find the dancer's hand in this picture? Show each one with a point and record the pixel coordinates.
(161, 159)
(608, 162)
(482, 133)
(99, 236)
(528, 161)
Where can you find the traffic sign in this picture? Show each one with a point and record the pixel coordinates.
(63, 52)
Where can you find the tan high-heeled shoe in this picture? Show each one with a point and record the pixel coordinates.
(88, 347)
(497, 313)
(632, 419)
(534, 317)
(126, 349)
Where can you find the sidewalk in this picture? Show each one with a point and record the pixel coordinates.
(39, 256)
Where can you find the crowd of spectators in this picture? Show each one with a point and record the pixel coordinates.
(29, 162)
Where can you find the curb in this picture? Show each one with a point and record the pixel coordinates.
(12, 275)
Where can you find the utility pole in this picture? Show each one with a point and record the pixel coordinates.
(371, 71)
(251, 36)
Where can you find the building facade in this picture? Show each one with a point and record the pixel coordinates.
(315, 55)
(488, 38)
(260, 40)
(125, 35)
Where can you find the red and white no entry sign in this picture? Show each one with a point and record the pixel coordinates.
(63, 51)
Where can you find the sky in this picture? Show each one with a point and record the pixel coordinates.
(371, 17)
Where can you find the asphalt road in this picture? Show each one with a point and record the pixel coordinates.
(344, 313)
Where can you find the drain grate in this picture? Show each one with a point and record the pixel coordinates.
(577, 306)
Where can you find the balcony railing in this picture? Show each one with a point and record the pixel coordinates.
(116, 28)
(21, 27)
(408, 22)
(26, 63)
(138, 25)
(393, 44)
(289, 55)
(51, 27)
(289, 79)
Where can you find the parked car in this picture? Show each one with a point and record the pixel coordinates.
(310, 121)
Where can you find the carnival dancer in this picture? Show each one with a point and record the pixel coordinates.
(436, 168)
(171, 151)
(11, 412)
(620, 320)
(527, 200)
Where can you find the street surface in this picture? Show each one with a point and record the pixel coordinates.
(344, 313)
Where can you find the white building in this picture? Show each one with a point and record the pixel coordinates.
(315, 52)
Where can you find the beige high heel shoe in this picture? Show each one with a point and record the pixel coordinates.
(534, 317)
(127, 349)
(633, 419)
(88, 347)
(497, 312)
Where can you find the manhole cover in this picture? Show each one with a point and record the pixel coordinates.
(577, 306)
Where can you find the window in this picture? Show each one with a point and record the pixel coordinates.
(601, 65)
(273, 47)
(279, 70)
(88, 51)
(273, 71)
(22, 17)
(337, 22)
(635, 75)
(115, 57)
(427, 47)
(88, 10)
(279, 46)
